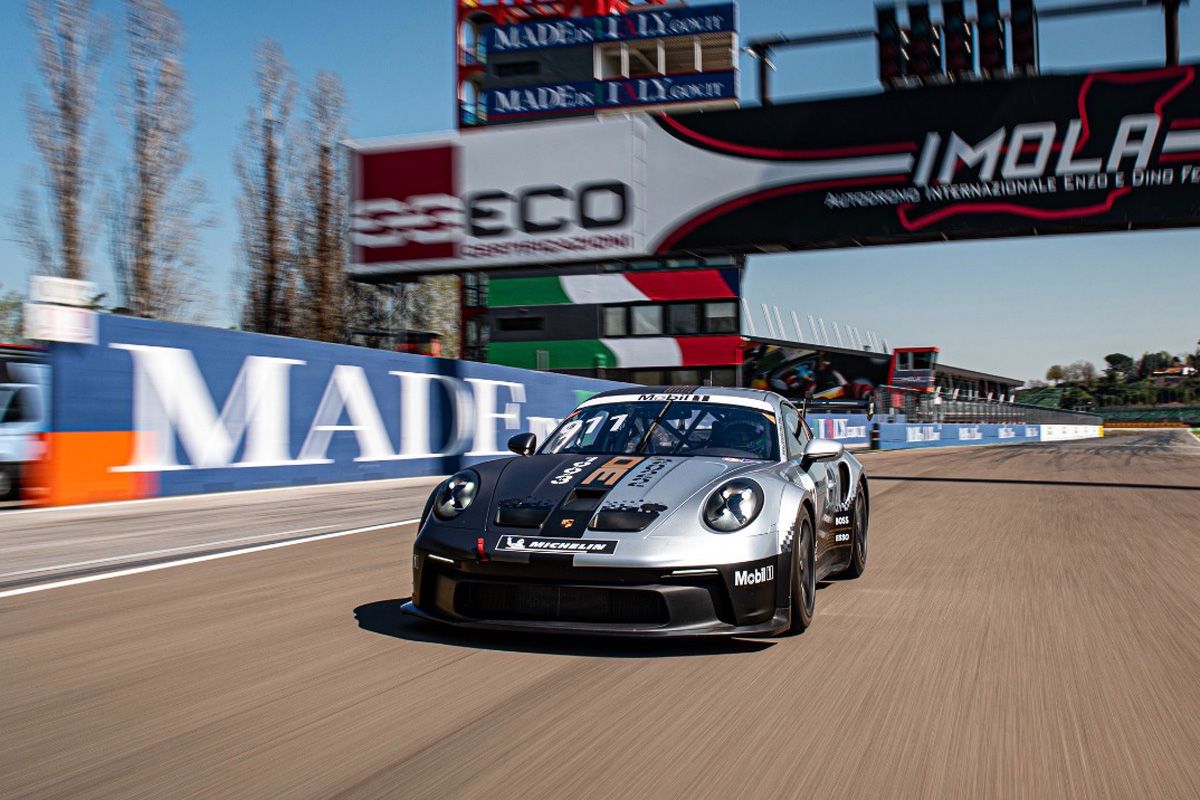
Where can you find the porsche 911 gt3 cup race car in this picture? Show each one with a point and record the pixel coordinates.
(655, 511)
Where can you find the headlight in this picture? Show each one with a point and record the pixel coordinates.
(456, 495)
(733, 506)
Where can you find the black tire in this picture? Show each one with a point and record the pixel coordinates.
(858, 538)
(804, 578)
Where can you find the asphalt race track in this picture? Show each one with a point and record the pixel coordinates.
(1028, 626)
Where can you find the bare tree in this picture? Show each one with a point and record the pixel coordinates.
(71, 44)
(434, 307)
(320, 217)
(262, 169)
(12, 306)
(154, 219)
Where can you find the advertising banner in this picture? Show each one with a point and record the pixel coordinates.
(512, 195)
(901, 435)
(652, 23)
(568, 98)
(1052, 154)
(157, 408)
(1066, 433)
(849, 429)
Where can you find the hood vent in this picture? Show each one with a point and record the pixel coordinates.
(626, 519)
(523, 512)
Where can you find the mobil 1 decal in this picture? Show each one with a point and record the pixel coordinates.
(1065, 153)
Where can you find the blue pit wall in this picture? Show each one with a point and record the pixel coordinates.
(157, 409)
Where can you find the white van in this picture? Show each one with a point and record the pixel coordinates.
(22, 417)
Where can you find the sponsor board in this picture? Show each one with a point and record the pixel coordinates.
(850, 429)
(584, 31)
(465, 202)
(1048, 154)
(588, 96)
(157, 408)
(542, 544)
(1066, 433)
(900, 435)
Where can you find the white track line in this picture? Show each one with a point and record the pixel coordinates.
(365, 483)
(151, 553)
(120, 573)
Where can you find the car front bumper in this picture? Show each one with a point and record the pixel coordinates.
(549, 594)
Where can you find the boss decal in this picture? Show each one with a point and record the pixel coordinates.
(611, 471)
(541, 544)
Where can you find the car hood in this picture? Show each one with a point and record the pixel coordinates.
(560, 494)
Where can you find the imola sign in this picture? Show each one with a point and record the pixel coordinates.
(1057, 154)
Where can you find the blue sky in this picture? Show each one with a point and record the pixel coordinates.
(1011, 306)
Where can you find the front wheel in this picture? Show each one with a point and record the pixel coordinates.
(804, 578)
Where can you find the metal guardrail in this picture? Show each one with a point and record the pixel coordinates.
(927, 408)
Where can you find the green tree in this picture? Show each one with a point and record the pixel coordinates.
(1055, 374)
(1119, 365)
(1153, 361)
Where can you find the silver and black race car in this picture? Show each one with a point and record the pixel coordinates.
(656, 511)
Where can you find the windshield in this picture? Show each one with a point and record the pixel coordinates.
(667, 428)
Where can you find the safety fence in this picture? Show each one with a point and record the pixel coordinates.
(929, 407)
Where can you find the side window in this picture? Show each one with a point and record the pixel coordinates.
(792, 424)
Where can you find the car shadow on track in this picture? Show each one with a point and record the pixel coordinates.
(384, 617)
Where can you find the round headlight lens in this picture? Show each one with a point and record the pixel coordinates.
(733, 505)
(456, 495)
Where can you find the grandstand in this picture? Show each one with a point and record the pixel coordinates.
(1151, 417)
(1044, 396)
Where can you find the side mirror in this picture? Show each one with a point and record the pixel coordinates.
(823, 450)
(523, 444)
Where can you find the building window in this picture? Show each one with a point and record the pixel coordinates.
(517, 68)
(609, 61)
(521, 323)
(720, 317)
(683, 319)
(614, 321)
(646, 377)
(643, 59)
(472, 292)
(685, 377)
(722, 377)
(646, 320)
